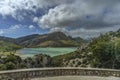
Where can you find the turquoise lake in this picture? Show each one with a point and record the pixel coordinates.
(29, 52)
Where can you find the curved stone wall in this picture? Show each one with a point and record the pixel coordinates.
(26, 74)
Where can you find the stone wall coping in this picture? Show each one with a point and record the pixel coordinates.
(57, 68)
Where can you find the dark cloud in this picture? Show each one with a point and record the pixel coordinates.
(67, 14)
(83, 14)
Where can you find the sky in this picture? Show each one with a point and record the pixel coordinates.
(77, 18)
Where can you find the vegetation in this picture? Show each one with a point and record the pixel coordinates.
(59, 43)
(12, 61)
(55, 39)
(106, 54)
(74, 59)
(8, 46)
(101, 52)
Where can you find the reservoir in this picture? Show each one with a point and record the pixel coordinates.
(29, 52)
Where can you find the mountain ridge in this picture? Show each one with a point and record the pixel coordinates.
(54, 39)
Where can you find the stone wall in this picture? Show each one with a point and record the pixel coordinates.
(26, 74)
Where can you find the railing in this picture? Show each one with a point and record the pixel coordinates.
(26, 74)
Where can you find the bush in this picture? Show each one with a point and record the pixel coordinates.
(2, 67)
(10, 66)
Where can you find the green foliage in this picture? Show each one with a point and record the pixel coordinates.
(59, 43)
(10, 66)
(13, 58)
(3, 67)
(8, 46)
(101, 38)
(106, 54)
(12, 61)
(9, 62)
(101, 52)
(57, 61)
(22, 65)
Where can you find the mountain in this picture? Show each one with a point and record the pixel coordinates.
(25, 38)
(55, 39)
(7, 39)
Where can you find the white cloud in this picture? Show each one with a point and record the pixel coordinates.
(35, 19)
(10, 7)
(58, 16)
(1, 32)
(65, 15)
(31, 27)
(90, 15)
(13, 7)
(14, 27)
(80, 13)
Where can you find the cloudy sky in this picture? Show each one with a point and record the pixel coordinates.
(78, 18)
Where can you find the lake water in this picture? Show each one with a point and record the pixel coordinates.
(29, 52)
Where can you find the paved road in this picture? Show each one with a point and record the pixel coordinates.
(77, 78)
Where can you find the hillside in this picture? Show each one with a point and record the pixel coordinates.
(101, 52)
(7, 39)
(55, 39)
(6, 46)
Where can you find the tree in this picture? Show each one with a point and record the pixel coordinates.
(103, 55)
(10, 66)
(2, 67)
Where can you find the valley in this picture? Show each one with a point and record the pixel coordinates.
(100, 52)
